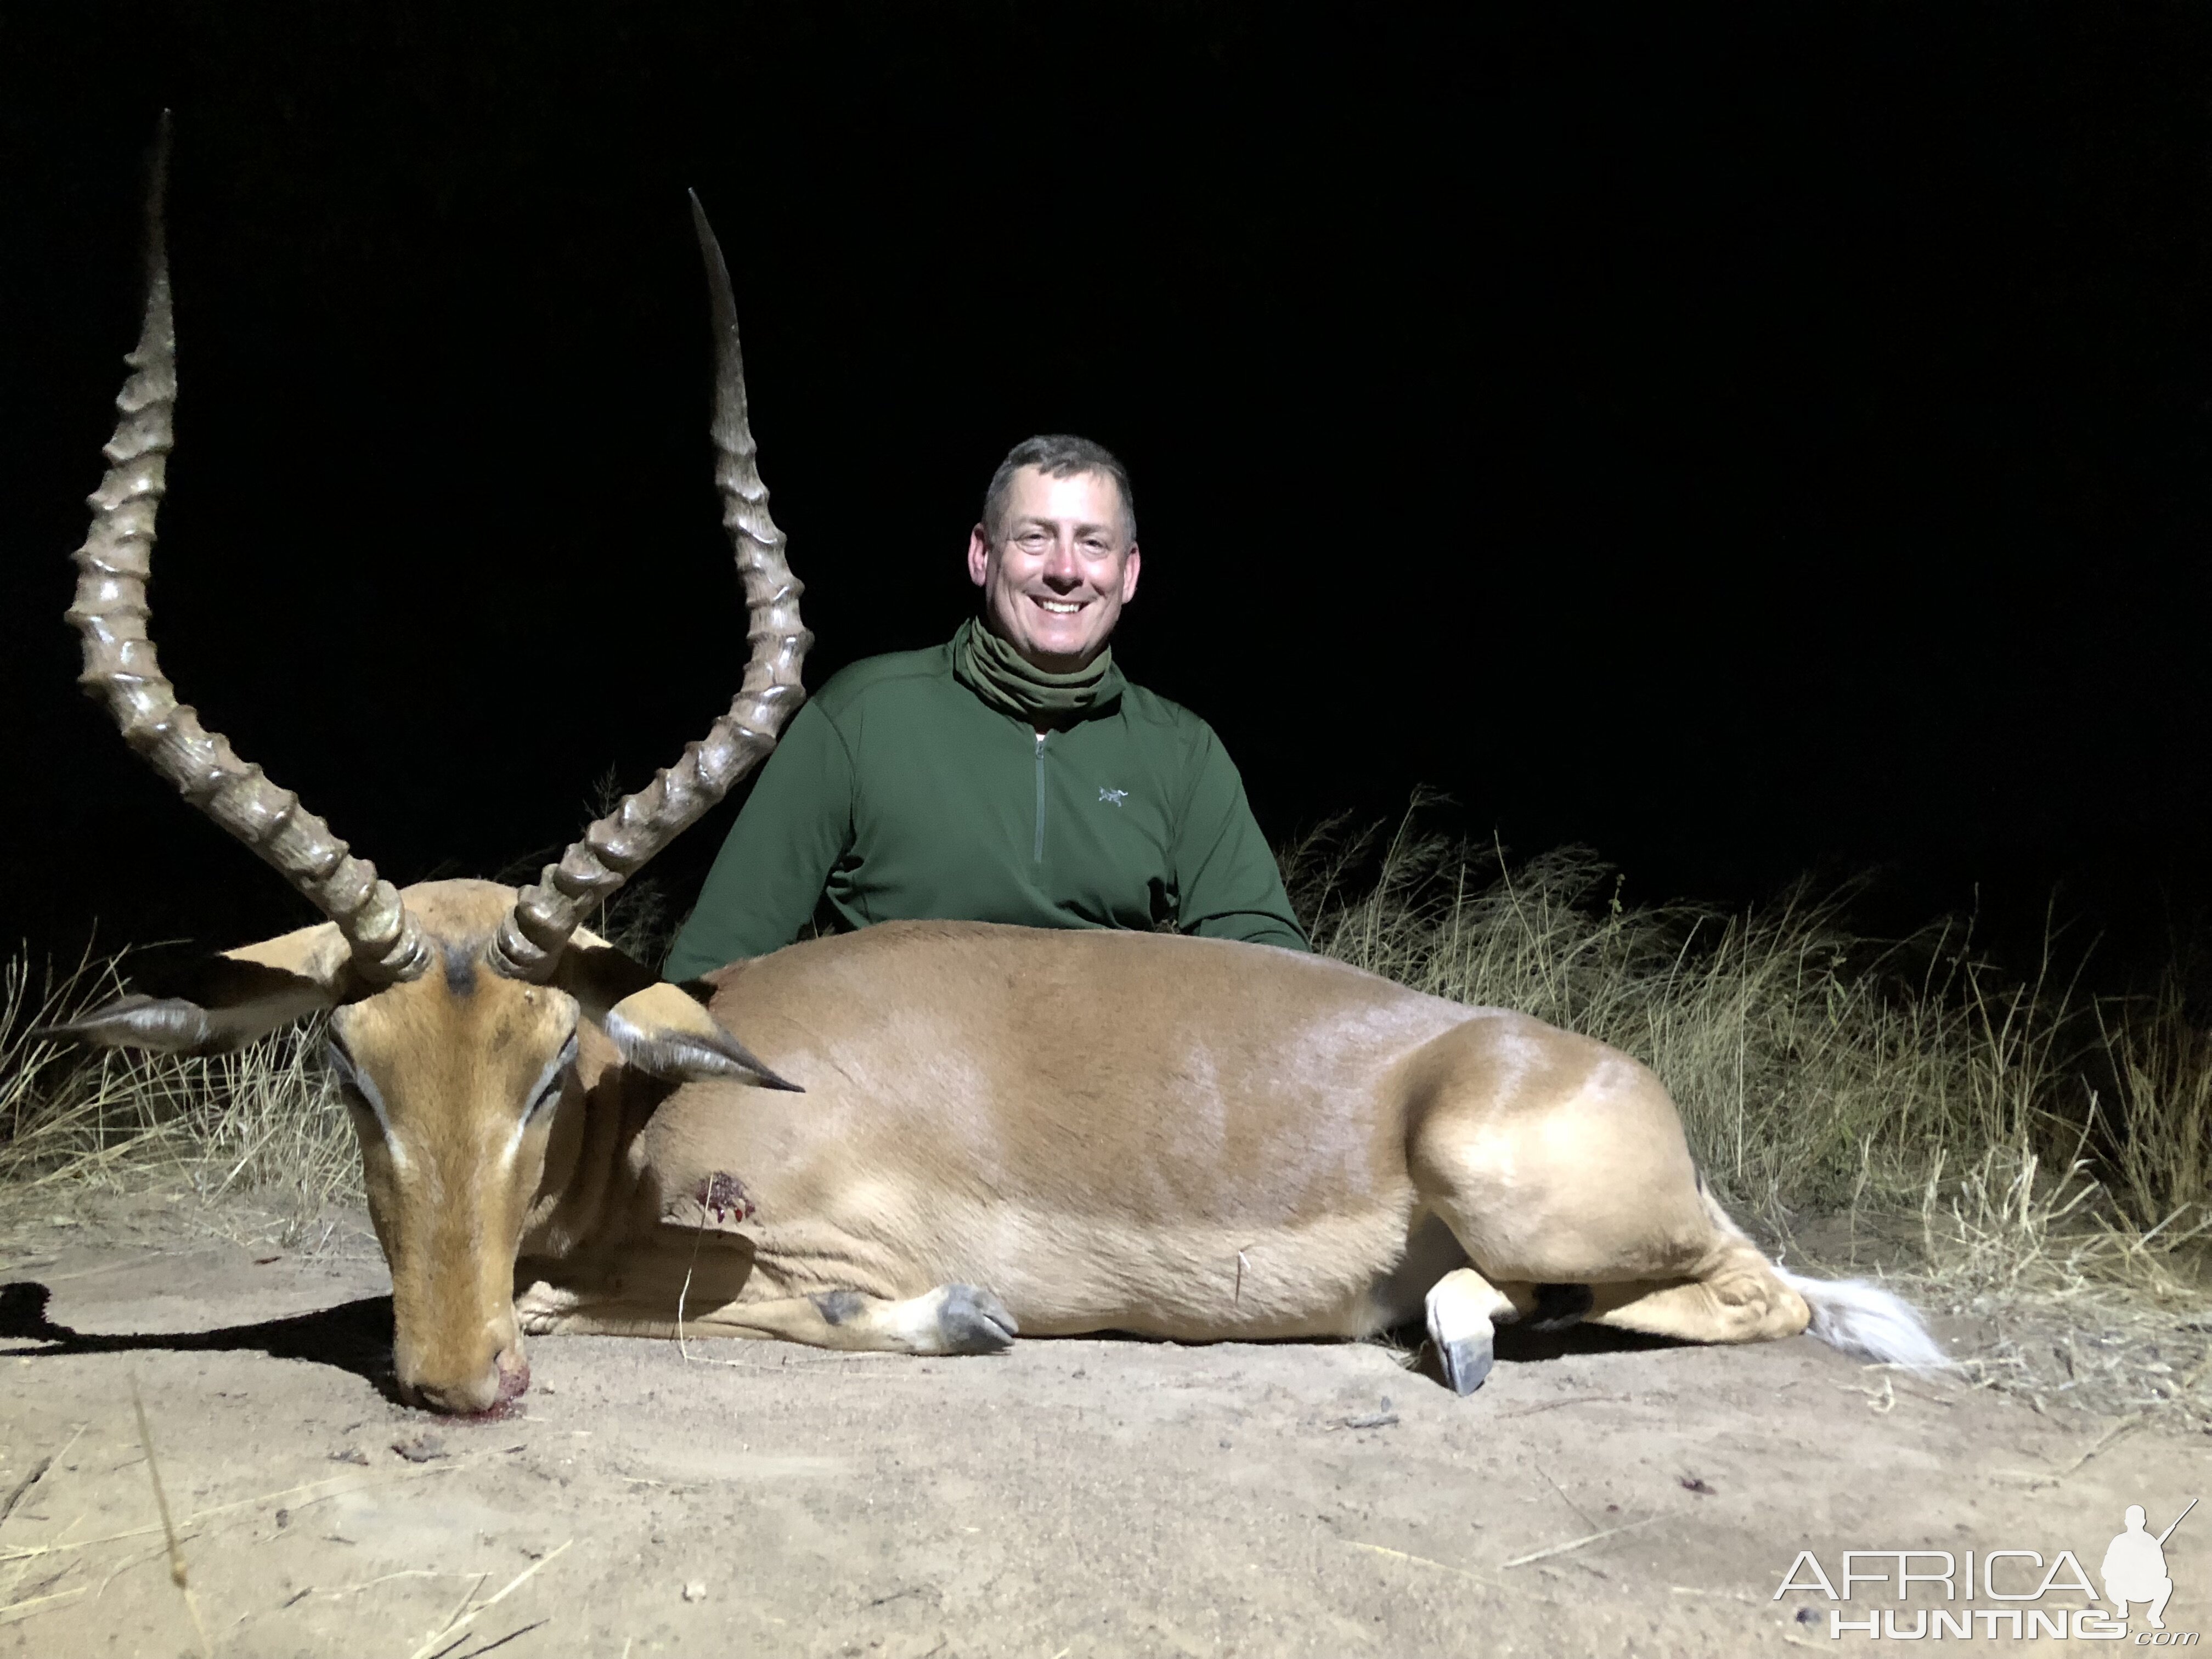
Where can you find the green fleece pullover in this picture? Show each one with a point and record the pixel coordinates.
(896, 792)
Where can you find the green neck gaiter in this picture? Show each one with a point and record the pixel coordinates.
(997, 673)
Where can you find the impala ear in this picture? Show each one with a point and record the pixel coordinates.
(665, 1034)
(215, 1003)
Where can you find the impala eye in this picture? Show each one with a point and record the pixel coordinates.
(339, 1065)
(354, 1087)
(555, 1075)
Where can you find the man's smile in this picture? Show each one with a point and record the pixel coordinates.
(1058, 567)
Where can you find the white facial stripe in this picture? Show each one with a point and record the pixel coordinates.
(364, 1085)
(559, 1064)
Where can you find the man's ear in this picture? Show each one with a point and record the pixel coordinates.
(665, 1034)
(979, 556)
(221, 1002)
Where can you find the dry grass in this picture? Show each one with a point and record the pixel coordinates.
(2026, 1158)
(2160, 1072)
(263, 1121)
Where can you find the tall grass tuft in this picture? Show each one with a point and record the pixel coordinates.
(262, 1121)
(2160, 1072)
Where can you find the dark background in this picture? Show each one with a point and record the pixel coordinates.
(1744, 440)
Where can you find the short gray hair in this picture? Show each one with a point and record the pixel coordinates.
(1057, 455)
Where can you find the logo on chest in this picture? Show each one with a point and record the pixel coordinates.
(1113, 796)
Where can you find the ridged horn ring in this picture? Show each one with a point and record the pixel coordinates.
(534, 933)
(110, 612)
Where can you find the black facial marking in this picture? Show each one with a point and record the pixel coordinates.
(461, 969)
(838, 1306)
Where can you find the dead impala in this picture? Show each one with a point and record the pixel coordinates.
(985, 1129)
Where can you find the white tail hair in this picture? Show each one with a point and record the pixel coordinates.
(1864, 1319)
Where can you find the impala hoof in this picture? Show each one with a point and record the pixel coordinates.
(973, 1320)
(1467, 1362)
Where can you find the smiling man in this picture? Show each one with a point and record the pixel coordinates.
(1011, 775)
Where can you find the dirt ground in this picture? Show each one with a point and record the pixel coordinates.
(1068, 1499)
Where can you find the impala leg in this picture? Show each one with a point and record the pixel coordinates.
(1735, 1296)
(1561, 1164)
(1464, 1311)
(951, 1319)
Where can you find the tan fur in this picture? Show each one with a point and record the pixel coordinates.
(1187, 1138)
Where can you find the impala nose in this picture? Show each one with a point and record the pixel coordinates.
(500, 1383)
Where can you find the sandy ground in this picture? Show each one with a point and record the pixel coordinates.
(1070, 1498)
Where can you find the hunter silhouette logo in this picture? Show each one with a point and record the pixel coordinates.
(2135, 1567)
(2133, 1573)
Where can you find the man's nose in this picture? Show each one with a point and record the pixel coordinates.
(1061, 567)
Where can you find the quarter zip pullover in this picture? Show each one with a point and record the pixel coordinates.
(1037, 851)
(896, 793)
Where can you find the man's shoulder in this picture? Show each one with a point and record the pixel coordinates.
(896, 673)
(1162, 718)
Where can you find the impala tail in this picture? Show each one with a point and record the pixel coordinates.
(1850, 1314)
(1863, 1319)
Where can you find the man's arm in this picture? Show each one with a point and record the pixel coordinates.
(1225, 873)
(770, 874)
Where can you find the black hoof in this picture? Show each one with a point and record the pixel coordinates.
(973, 1320)
(1467, 1363)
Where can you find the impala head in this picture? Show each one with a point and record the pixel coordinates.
(455, 1080)
(468, 1021)
(465, 1085)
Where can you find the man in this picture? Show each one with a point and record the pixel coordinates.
(1010, 775)
(2134, 1568)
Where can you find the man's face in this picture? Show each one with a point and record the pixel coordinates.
(1054, 583)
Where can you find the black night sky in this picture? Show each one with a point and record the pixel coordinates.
(1743, 439)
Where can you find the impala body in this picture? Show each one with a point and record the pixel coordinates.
(1293, 1148)
(942, 1133)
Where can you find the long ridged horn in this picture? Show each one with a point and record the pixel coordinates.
(119, 666)
(535, 932)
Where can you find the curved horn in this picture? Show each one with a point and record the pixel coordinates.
(534, 933)
(110, 611)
